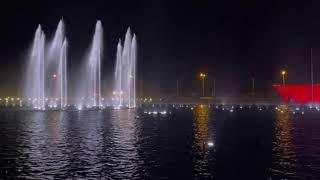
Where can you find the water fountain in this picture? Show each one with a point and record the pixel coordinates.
(34, 84)
(125, 73)
(91, 90)
(46, 83)
(63, 71)
(56, 73)
(46, 75)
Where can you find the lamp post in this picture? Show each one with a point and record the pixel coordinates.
(177, 88)
(253, 89)
(283, 73)
(252, 77)
(203, 76)
(214, 88)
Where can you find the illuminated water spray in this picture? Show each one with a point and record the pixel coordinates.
(56, 67)
(93, 69)
(46, 74)
(125, 73)
(63, 73)
(34, 84)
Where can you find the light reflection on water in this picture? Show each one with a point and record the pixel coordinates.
(284, 155)
(201, 128)
(201, 132)
(130, 144)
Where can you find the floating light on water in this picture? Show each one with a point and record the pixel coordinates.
(163, 112)
(210, 144)
(79, 108)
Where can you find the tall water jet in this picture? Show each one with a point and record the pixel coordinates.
(63, 73)
(118, 73)
(56, 76)
(34, 87)
(133, 69)
(93, 69)
(46, 75)
(125, 73)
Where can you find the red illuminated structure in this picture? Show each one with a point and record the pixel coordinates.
(299, 94)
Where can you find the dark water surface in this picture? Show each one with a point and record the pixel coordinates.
(130, 144)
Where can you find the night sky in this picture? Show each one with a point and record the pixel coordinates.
(229, 40)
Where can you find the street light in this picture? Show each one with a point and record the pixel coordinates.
(252, 84)
(202, 76)
(283, 73)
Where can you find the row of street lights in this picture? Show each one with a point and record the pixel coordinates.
(203, 76)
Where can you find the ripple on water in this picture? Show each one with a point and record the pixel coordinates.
(117, 145)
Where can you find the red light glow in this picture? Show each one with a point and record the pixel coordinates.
(300, 94)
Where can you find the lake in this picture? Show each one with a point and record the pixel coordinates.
(202, 142)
